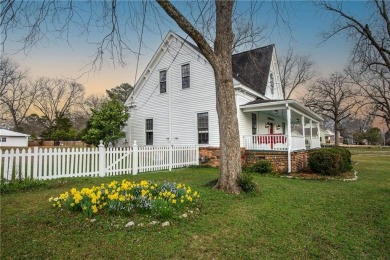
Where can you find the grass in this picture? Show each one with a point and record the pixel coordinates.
(289, 219)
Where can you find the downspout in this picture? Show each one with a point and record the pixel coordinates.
(288, 138)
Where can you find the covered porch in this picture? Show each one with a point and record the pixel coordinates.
(279, 125)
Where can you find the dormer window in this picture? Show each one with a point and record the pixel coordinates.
(271, 83)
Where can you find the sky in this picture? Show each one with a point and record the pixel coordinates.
(58, 58)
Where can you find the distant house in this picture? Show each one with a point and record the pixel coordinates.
(13, 139)
(174, 102)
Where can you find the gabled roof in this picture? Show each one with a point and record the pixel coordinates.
(5, 132)
(252, 67)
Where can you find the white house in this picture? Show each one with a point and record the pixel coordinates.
(174, 101)
(13, 139)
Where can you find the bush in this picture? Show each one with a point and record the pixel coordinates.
(21, 185)
(247, 184)
(262, 166)
(330, 161)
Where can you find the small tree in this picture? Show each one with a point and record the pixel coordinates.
(60, 130)
(106, 123)
(373, 136)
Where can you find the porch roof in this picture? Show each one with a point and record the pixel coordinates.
(267, 105)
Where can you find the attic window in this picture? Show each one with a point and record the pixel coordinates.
(271, 82)
(163, 81)
(185, 76)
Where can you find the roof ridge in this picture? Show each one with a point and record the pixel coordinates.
(263, 47)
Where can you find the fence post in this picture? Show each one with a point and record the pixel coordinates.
(135, 158)
(102, 159)
(35, 162)
(170, 156)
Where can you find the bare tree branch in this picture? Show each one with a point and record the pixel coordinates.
(333, 98)
(295, 70)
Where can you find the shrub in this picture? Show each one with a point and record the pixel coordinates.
(247, 184)
(262, 166)
(330, 161)
(125, 198)
(21, 185)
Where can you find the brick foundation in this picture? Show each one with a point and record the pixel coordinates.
(279, 159)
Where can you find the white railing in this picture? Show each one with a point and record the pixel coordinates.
(265, 142)
(273, 142)
(298, 143)
(52, 163)
(315, 143)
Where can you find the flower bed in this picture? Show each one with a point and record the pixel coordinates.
(146, 197)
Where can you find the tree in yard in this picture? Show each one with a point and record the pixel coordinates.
(106, 123)
(370, 61)
(121, 92)
(18, 93)
(57, 97)
(373, 136)
(60, 130)
(295, 70)
(34, 125)
(215, 41)
(334, 98)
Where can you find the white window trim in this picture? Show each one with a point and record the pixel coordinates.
(145, 129)
(181, 75)
(166, 81)
(196, 128)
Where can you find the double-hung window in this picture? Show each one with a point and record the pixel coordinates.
(149, 131)
(272, 83)
(203, 128)
(185, 76)
(254, 124)
(3, 139)
(163, 81)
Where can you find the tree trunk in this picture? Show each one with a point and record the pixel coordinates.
(221, 60)
(230, 157)
(336, 134)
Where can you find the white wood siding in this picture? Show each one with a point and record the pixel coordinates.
(14, 141)
(244, 119)
(274, 69)
(185, 103)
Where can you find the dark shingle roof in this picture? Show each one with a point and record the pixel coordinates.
(260, 101)
(252, 67)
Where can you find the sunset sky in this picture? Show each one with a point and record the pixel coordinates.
(58, 58)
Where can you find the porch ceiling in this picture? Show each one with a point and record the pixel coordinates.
(270, 106)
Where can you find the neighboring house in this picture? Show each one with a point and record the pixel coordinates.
(174, 101)
(13, 139)
(329, 137)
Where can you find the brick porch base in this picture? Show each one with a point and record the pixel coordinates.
(279, 159)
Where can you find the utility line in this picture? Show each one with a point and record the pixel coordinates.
(181, 46)
(140, 42)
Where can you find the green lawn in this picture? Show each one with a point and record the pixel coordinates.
(290, 219)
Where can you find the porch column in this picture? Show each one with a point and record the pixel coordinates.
(311, 133)
(289, 138)
(303, 131)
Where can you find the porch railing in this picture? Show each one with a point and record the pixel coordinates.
(315, 142)
(278, 142)
(265, 142)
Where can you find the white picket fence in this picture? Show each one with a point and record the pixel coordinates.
(52, 163)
